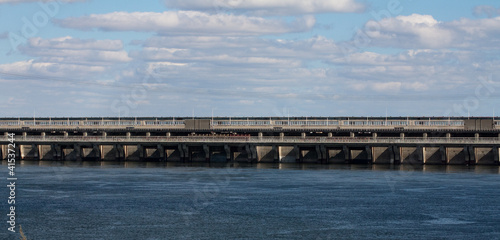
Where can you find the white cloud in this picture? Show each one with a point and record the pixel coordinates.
(76, 51)
(270, 7)
(187, 23)
(423, 31)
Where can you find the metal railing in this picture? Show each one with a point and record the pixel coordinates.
(248, 139)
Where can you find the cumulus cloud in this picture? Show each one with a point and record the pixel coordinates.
(187, 23)
(423, 31)
(270, 7)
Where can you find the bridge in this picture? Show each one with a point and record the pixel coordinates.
(435, 140)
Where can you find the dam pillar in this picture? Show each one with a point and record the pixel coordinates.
(347, 154)
(161, 152)
(227, 150)
(397, 154)
(368, 151)
(251, 152)
(206, 150)
(57, 152)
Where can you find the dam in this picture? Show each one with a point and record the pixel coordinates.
(322, 140)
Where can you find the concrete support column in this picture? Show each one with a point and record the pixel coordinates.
(206, 149)
(424, 135)
(161, 150)
(168, 134)
(303, 135)
(227, 149)
(374, 135)
(85, 134)
(296, 149)
(148, 134)
(352, 135)
(331, 135)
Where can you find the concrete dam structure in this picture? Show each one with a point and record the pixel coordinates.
(413, 140)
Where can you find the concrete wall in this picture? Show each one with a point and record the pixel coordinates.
(133, 152)
(265, 154)
(486, 156)
(455, 156)
(433, 155)
(70, 153)
(383, 155)
(360, 155)
(173, 155)
(47, 152)
(111, 152)
(288, 154)
(336, 155)
(218, 154)
(29, 152)
(309, 155)
(411, 155)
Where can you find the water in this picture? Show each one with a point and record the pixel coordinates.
(158, 201)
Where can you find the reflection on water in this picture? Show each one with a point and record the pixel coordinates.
(283, 166)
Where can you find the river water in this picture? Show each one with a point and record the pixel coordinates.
(273, 201)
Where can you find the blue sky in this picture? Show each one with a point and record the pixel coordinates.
(249, 58)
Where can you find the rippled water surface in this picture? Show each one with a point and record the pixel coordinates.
(159, 201)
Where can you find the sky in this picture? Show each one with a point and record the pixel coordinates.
(162, 58)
